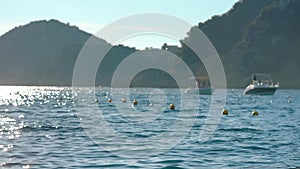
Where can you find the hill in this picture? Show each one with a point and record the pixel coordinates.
(255, 36)
(45, 52)
(271, 44)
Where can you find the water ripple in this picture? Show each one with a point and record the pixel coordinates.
(39, 129)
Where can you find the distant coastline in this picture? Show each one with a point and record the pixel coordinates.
(254, 36)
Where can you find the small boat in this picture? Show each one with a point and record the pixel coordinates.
(262, 84)
(203, 86)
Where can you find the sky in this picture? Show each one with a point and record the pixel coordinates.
(92, 15)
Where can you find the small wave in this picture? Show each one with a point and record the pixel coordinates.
(252, 147)
(38, 128)
(250, 130)
(16, 165)
(172, 167)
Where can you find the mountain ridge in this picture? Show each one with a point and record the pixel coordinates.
(44, 52)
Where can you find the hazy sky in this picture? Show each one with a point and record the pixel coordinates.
(92, 15)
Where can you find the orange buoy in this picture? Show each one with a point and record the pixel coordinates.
(172, 106)
(255, 113)
(225, 112)
(135, 102)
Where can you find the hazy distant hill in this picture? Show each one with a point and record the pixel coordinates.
(40, 53)
(254, 36)
(44, 53)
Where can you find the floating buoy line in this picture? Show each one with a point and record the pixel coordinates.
(172, 106)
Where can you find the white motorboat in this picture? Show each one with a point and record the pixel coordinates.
(262, 84)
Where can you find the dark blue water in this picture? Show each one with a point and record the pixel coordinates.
(39, 128)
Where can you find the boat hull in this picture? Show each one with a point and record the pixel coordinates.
(261, 91)
(205, 91)
(201, 91)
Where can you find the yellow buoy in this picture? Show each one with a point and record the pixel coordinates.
(96, 100)
(135, 102)
(225, 112)
(172, 106)
(255, 113)
(109, 100)
(123, 100)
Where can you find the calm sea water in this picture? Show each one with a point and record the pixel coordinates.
(39, 128)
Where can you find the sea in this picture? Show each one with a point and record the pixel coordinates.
(65, 127)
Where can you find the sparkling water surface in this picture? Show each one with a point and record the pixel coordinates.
(39, 128)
